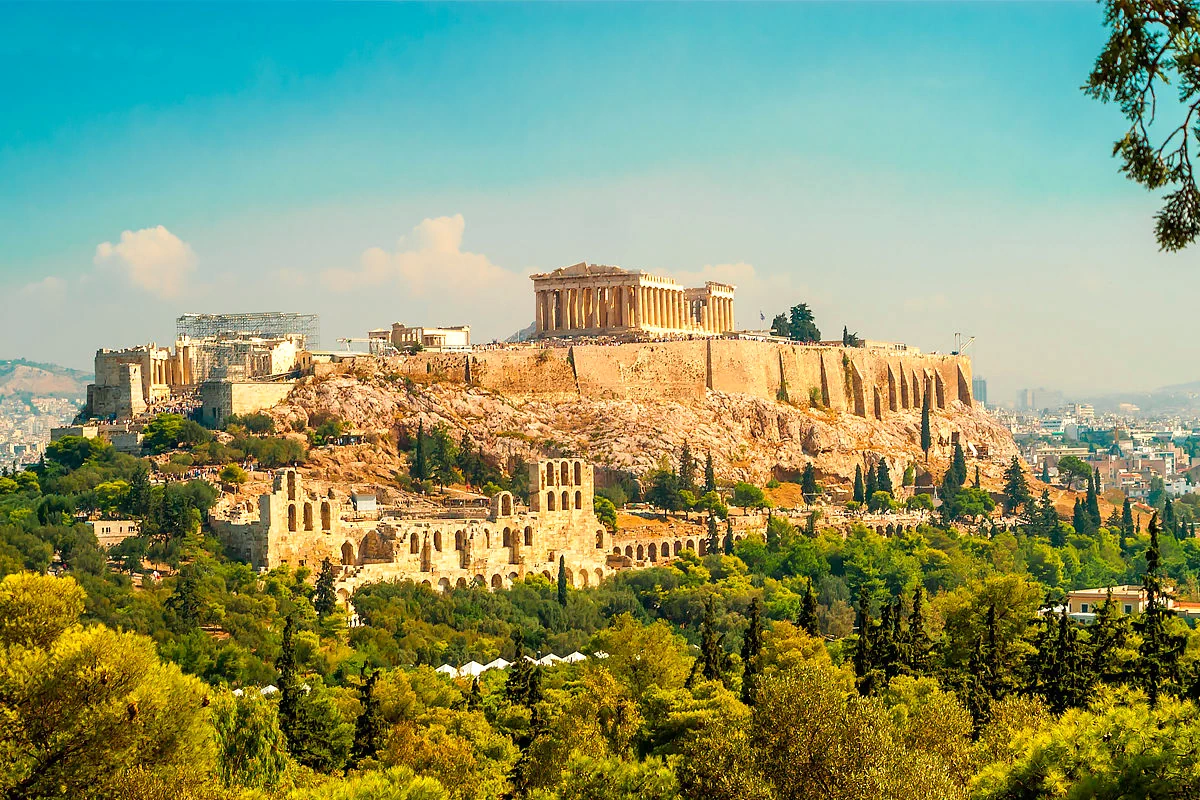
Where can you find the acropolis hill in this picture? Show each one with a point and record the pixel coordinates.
(760, 408)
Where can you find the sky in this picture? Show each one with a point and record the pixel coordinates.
(908, 170)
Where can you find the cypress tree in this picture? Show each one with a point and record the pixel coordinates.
(959, 464)
(976, 483)
(1093, 500)
(1016, 490)
(289, 685)
(729, 535)
(977, 700)
(1080, 519)
(325, 598)
(475, 698)
(883, 477)
(1127, 518)
(419, 469)
(1168, 520)
(808, 483)
(712, 645)
(520, 687)
(714, 536)
(370, 727)
(864, 667)
(751, 653)
(687, 469)
(1108, 635)
(808, 619)
(710, 474)
(872, 482)
(860, 488)
(918, 646)
(1064, 685)
(926, 435)
(562, 580)
(1160, 650)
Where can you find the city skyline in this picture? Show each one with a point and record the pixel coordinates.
(907, 170)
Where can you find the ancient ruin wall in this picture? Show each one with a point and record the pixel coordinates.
(637, 372)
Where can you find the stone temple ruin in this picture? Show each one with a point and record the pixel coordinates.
(297, 526)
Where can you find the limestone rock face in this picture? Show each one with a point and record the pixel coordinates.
(750, 438)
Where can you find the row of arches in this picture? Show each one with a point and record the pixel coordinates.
(566, 473)
(581, 579)
(552, 501)
(326, 516)
(655, 551)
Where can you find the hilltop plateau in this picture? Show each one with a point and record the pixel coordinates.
(19, 376)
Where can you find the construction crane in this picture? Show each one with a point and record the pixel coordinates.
(347, 340)
(959, 347)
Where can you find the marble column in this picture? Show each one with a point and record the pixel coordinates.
(537, 311)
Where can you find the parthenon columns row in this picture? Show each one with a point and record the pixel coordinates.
(645, 307)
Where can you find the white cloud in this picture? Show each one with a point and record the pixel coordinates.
(47, 285)
(429, 259)
(152, 259)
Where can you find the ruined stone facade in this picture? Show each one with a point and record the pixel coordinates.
(594, 300)
(295, 526)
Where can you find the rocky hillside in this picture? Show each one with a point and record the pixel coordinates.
(41, 380)
(750, 438)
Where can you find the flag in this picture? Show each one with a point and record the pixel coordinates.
(762, 316)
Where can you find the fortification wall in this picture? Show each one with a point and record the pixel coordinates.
(734, 368)
(219, 399)
(665, 370)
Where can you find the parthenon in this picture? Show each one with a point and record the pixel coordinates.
(594, 300)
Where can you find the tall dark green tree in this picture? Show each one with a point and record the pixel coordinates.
(714, 535)
(860, 488)
(864, 666)
(883, 477)
(185, 599)
(918, 647)
(808, 483)
(687, 469)
(325, 597)
(1108, 635)
(728, 535)
(1160, 650)
(562, 580)
(752, 642)
(808, 618)
(522, 685)
(1093, 500)
(1059, 667)
(926, 434)
(370, 728)
(713, 658)
(289, 684)
(872, 482)
(959, 465)
(710, 474)
(975, 483)
(1045, 471)
(1080, 519)
(1127, 518)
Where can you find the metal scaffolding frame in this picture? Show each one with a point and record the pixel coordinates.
(264, 323)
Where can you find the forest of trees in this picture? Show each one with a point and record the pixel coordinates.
(793, 663)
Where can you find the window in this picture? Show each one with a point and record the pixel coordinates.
(1128, 608)
(1083, 608)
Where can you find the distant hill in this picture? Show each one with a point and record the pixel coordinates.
(19, 376)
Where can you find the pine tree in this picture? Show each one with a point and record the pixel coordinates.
(860, 488)
(808, 619)
(710, 474)
(139, 499)
(475, 698)
(289, 685)
(808, 483)
(751, 653)
(562, 580)
(1160, 650)
(872, 482)
(370, 727)
(883, 477)
(1108, 635)
(687, 469)
(926, 435)
(325, 598)
(1062, 667)
(419, 469)
(918, 646)
(1016, 490)
(520, 687)
(978, 701)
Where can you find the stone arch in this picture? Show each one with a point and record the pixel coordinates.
(427, 584)
(458, 540)
(437, 541)
(677, 547)
(506, 504)
(528, 536)
(549, 501)
(583, 578)
(414, 543)
(704, 547)
(691, 544)
(512, 578)
(291, 485)
(665, 550)
(599, 576)
(566, 501)
(570, 576)
(326, 516)
(629, 551)
(348, 553)
(599, 540)
(565, 474)
(578, 474)
(343, 595)
(497, 581)
(578, 500)
(308, 517)
(652, 551)
(546, 574)
(641, 553)
(549, 474)
(616, 551)
(292, 518)
(461, 583)
(444, 585)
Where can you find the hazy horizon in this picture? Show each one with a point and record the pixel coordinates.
(909, 170)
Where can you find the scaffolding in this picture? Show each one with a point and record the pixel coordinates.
(266, 324)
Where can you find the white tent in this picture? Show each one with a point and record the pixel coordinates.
(446, 669)
(548, 660)
(575, 657)
(472, 669)
(499, 663)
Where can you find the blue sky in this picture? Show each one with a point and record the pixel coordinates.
(908, 169)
